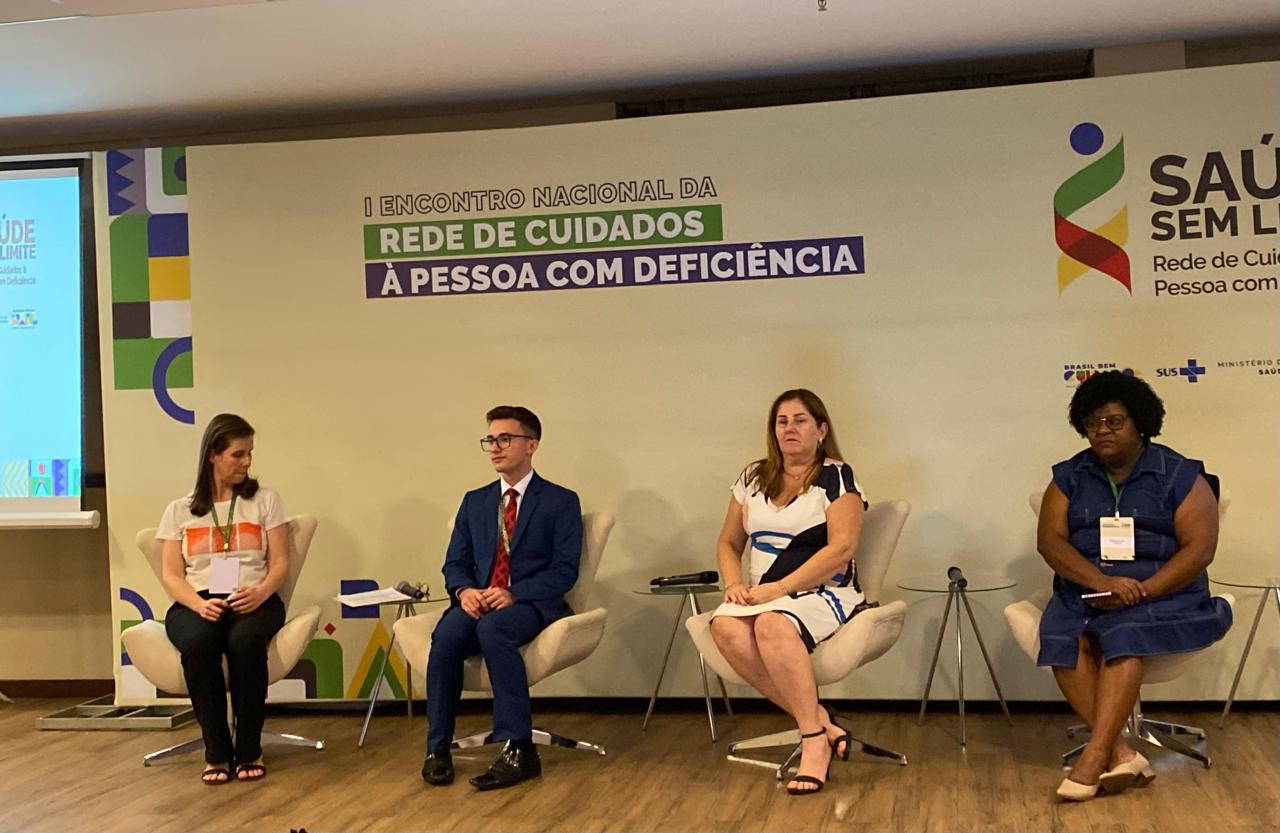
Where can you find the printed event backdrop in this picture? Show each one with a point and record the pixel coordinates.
(943, 270)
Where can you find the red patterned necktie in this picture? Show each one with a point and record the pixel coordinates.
(502, 563)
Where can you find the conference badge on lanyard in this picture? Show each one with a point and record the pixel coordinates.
(1116, 533)
(224, 571)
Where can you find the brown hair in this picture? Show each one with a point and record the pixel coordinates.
(221, 431)
(527, 418)
(766, 475)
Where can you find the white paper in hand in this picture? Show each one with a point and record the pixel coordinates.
(224, 574)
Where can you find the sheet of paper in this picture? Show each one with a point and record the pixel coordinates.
(224, 574)
(372, 597)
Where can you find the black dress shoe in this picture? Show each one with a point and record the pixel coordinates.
(437, 769)
(517, 761)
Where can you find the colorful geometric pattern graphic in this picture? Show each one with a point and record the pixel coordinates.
(324, 656)
(133, 597)
(366, 674)
(150, 274)
(1101, 248)
(22, 319)
(15, 478)
(40, 478)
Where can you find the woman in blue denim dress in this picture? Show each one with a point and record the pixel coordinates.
(1138, 522)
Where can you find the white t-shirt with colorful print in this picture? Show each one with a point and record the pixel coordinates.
(254, 517)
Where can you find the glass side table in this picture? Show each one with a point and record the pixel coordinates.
(1268, 586)
(957, 589)
(688, 594)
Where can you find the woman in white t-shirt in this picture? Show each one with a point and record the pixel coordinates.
(226, 553)
(801, 510)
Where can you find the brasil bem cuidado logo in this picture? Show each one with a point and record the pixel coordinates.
(1102, 248)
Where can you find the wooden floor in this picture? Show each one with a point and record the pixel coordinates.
(668, 778)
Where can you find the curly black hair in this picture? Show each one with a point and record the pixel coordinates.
(1144, 407)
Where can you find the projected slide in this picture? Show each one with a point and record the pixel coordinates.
(40, 340)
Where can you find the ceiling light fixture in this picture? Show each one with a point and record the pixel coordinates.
(822, 5)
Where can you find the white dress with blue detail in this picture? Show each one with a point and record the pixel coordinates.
(817, 612)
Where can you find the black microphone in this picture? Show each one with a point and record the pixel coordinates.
(957, 578)
(410, 591)
(705, 577)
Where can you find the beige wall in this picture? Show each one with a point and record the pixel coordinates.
(55, 604)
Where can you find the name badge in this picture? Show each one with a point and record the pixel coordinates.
(1117, 538)
(224, 574)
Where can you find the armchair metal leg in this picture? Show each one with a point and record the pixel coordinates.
(1072, 754)
(284, 739)
(1173, 728)
(784, 738)
(1156, 737)
(1155, 732)
(541, 737)
(878, 752)
(790, 737)
(545, 738)
(472, 741)
(173, 751)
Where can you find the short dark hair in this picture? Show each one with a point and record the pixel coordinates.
(1144, 407)
(528, 419)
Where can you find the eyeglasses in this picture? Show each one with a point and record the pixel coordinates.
(1113, 421)
(501, 441)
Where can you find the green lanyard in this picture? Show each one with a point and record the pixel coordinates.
(1116, 492)
(225, 534)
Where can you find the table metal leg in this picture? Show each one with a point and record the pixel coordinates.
(408, 681)
(377, 688)
(675, 627)
(724, 693)
(937, 649)
(702, 667)
(990, 670)
(406, 610)
(1257, 617)
(960, 662)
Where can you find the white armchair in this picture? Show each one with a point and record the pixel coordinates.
(563, 643)
(158, 660)
(1024, 621)
(866, 637)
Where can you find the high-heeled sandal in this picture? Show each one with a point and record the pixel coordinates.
(809, 779)
(845, 737)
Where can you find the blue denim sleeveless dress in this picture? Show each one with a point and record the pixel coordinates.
(1186, 620)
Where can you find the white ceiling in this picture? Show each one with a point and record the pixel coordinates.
(157, 62)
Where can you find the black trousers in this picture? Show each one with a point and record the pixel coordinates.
(243, 640)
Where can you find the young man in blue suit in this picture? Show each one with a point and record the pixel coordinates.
(512, 558)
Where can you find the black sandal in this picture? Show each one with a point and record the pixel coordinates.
(845, 738)
(224, 771)
(809, 779)
(251, 772)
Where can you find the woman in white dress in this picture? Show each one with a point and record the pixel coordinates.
(801, 511)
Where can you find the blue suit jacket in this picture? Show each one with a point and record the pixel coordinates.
(545, 550)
